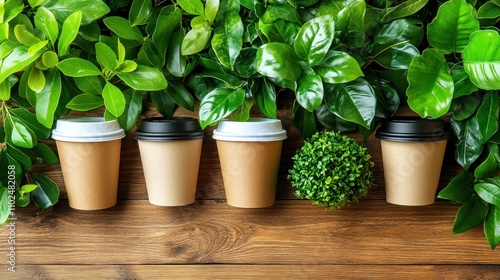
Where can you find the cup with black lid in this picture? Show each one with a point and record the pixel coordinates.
(412, 153)
(170, 149)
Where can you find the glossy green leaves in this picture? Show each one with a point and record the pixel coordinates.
(69, 31)
(219, 104)
(482, 59)
(278, 60)
(450, 30)
(314, 39)
(338, 67)
(430, 88)
(228, 36)
(113, 99)
(77, 67)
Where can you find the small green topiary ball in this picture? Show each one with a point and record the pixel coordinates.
(331, 170)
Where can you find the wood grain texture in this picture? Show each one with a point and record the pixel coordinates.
(91, 272)
(211, 240)
(291, 232)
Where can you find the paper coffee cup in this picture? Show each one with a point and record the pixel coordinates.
(89, 153)
(249, 154)
(412, 155)
(170, 151)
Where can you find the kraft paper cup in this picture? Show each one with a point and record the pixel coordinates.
(170, 151)
(249, 154)
(412, 154)
(89, 153)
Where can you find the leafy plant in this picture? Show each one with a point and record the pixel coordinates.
(344, 60)
(331, 170)
(459, 75)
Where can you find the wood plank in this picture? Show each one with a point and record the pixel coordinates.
(484, 272)
(291, 232)
(210, 184)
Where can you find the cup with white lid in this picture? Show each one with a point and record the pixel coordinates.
(89, 153)
(250, 154)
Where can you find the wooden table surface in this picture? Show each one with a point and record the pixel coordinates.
(211, 240)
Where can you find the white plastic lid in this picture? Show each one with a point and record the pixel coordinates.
(88, 129)
(253, 130)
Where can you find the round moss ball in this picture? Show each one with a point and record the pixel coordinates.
(331, 170)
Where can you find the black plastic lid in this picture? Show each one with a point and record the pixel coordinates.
(413, 129)
(169, 129)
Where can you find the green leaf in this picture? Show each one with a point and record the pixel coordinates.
(211, 9)
(196, 40)
(69, 31)
(462, 83)
(47, 23)
(113, 99)
(404, 9)
(85, 102)
(487, 168)
(450, 30)
(468, 141)
(29, 119)
(77, 67)
(48, 99)
(482, 59)
(492, 226)
(338, 67)
(314, 39)
(409, 30)
(176, 62)
(330, 121)
(12, 9)
(47, 193)
(265, 97)
(242, 113)
(23, 159)
(123, 28)
(467, 108)
(303, 120)
(245, 63)
(140, 11)
(471, 214)
(18, 59)
(489, 191)
(127, 66)
(18, 134)
(279, 31)
(45, 153)
(168, 20)
(310, 90)
(91, 84)
(144, 78)
(36, 3)
(180, 95)
(50, 59)
(430, 88)
(106, 56)
(24, 36)
(22, 199)
(286, 12)
(459, 189)
(149, 55)
(397, 56)
(354, 101)
(192, 7)
(278, 60)
(5, 90)
(36, 80)
(4, 205)
(487, 115)
(90, 9)
(228, 36)
(489, 10)
(132, 109)
(218, 104)
(163, 104)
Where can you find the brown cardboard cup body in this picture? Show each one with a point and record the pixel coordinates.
(412, 171)
(90, 171)
(250, 172)
(171, 170)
